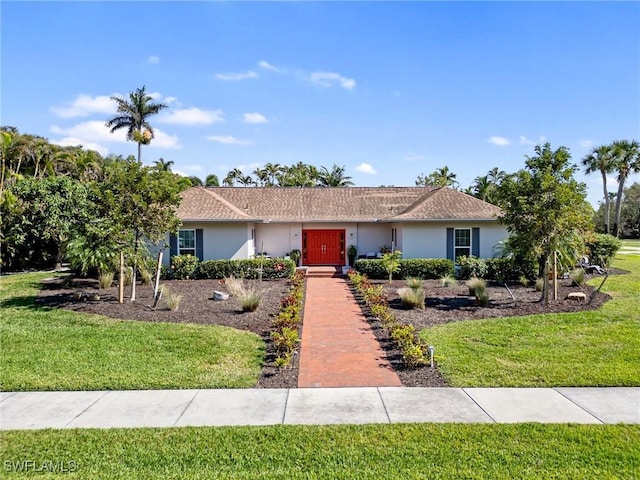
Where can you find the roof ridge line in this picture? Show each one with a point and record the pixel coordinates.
(423, 198)
(225, 202)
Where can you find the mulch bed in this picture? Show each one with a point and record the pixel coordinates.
(197, 306)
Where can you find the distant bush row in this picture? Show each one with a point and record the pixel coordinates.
(185, 267)
(425, 268)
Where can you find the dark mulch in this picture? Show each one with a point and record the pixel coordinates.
(197, 306)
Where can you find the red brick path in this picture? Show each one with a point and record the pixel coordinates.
(338, 348)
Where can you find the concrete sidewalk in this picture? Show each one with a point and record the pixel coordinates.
(315, 406)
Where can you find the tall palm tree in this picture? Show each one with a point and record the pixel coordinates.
(232, 177)
(246, 180)
(627, 160)
(262, 176)
(600, 159)
(133, 114)
(481, 188)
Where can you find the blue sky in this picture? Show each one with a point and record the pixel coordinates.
(387, 89)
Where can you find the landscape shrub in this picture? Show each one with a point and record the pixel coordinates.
(506, 269)
(472, 267)
(183, 267)
(249, 297)
(286, 322)
(425, 268)
(601, 248)
(391, 263)
(272, 268)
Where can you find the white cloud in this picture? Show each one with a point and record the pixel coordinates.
(267, 66)
(192, 116)
(526, 141)
(587, 143)
(254, 118)
(85, 105)
(413, 157)
(366, 168)
(75, 141)
(235, 76)
(170, 100)
(329, 79)
(153, 60)
(228, 140)
(95, 132)
(500, 141)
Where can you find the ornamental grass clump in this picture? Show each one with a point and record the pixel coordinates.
(105, 279)
(411, 297)
(171, 299)
(447, 281)
(476, 285)
(249, 297)
(577, 275)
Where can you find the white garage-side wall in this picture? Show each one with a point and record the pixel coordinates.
(429, 240)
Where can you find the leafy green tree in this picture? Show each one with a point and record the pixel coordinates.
(195, 181)
(630, 217)
(42, 219)
(626, 161)
(600, 159)
(138, 202)
(441, 177)
(298, 175)
(391, 262)
(545, 209)
(334, 178)
(133, 115)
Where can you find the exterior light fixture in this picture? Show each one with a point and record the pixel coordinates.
(431, 349)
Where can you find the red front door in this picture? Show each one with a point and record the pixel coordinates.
(323, 247)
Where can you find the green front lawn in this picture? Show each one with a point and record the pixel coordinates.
(595, 348)
(51, 349)
(358, 452)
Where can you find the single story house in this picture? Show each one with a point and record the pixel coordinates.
(422, 222)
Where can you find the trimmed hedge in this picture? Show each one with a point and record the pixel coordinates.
(425, 268)
(187, 266)
(507, 270)
(602, 248)
(248, 269)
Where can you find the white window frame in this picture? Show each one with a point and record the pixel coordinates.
(187, 250)
(457, 247)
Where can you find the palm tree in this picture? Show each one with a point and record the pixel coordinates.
(163, 165)
(600, 159)
(232, 177)
(195, 181)
(133, 114)
(262, 175)
(246, 180)
(482, 188)
(273, 171)
(334, 178)
(626, 160)
(212, 180)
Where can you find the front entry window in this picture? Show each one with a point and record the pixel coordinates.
(462, 244)
(187, 242)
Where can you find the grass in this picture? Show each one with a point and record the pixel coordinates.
(526, 451)
(592, 348)
(52, 349)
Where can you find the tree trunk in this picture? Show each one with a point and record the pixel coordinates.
(545, 290)
(616, 221)
(607, 202)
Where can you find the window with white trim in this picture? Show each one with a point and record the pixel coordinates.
(187, 242)
(462, 242)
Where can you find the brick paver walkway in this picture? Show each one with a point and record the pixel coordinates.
(338, 348)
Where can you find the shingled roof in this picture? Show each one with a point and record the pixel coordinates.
(318, 204)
